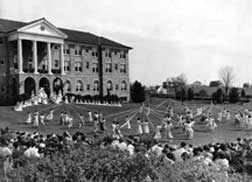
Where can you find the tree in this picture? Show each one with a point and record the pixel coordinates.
(215, 83)
(226, 75)
(246, 85)
(203, 93)
(243, 93)
(137, 92)
(190, 94)
(179, 84)
(218, 96)
(234, 95)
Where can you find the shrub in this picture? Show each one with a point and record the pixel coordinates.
(137, 92)
(234, 95)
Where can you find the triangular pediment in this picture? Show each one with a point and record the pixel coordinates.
(42, 27)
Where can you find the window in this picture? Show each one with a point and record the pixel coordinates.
(108, 54)
(116, 86)
(80, 52)
(2, 61)
(87, 65)
(78, 67)
(109, 67)
(88, 86)
(115, 52)
(30, 66)
(123, 68)
(79, 86)
(87, 50)
(93, 53)
(124, 86)
(43, 67)
(67, 66)
(67, 51)
(109, 85)
(56, 63)
(116, 66)
(76, 52)
(95, 67)
(96, 86)
(1, 40)
(56, 47)
(68, 86)
(123, 55)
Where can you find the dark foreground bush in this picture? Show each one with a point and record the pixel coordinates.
(94, 164)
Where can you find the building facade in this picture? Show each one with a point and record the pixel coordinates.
(38, 54)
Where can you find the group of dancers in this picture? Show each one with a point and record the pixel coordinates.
(40, 98)
(244, 119)
(188, 121)
(36, 119)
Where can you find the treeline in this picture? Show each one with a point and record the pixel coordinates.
(233, 95)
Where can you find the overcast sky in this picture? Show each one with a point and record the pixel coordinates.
(169, 37)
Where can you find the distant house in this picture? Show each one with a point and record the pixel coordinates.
(248, 92)
(196, 84)
(204, 91)
(161, 90)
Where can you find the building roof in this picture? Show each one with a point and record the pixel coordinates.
(73, 35)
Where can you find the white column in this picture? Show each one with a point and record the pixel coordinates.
(35, 57)
(62, 58)
(49, 55)
(20, 56)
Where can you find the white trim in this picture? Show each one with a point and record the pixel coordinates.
(36, 37)
(46, 22)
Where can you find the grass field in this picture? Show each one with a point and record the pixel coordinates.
(225, 131)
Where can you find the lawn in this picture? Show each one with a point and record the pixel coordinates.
(226, 131)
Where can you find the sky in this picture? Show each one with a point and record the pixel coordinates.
(169, 37)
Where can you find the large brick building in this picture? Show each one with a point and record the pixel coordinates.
(38, 54)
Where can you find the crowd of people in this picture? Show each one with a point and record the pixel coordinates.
(15, 144)
(218, 154)
(42, 98)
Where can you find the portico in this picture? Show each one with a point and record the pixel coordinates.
(43, 33)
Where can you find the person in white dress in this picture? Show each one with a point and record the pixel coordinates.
(224, 113)
(90, 117)
(180, 121)
(117, 130)
(36, 119)
(82, 121)
(199, 111)
(62, 118)
(70, 122)
(96, 121)
(29, 118)
(114, 135)
(228, 115)
(219, 117)
(249, 122)
(42, 119)
(189, 129)
(157, 135)
(237, 121)
(171, 112)
(147, 110)
(242, 121)
(211, 123)
(139, 127)
(49, 117)
(146, 128)
(168, 129)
